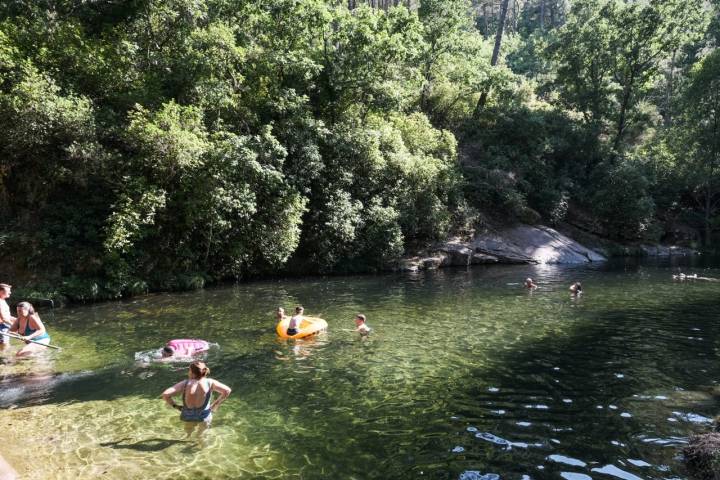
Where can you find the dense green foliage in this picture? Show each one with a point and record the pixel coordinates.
(157, 144)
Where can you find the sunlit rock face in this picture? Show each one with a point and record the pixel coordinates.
(521, 244)
(539, 243)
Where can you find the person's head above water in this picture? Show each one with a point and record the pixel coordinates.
(199, 370)
(280, 312)
(25, 309)
(299, 310)
(359, 319)
(168, 351)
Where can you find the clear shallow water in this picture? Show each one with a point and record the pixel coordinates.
(466, 374)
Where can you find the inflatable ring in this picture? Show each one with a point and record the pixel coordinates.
(308, 326)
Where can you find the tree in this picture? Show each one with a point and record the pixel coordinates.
(698, 143)
(496, 53)
(609, 53)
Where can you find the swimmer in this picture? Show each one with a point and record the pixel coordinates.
(184, 348)
(360, 325)
(576, 288)
(196, 409)
(529, 284)
(280, 314)
(295, 321)
(30, 327)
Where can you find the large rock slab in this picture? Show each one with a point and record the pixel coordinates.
(536, 244)
(498, 246)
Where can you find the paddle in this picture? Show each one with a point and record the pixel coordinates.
(12, 335)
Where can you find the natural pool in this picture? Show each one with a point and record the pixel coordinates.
(465, 374)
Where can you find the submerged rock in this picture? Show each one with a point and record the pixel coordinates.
(702, 456)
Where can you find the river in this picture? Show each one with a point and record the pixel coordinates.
(465, 374)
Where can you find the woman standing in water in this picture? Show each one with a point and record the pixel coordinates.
(196, 392)
(30, 327)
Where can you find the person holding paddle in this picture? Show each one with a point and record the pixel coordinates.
(6, 319)
(30, 329)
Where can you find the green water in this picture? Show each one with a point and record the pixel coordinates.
(465, 374)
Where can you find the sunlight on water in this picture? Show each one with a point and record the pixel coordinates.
(465, 375)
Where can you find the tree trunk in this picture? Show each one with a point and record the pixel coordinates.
(624, 104)
(552, 14)
(496, 53)
(667, 116)
(485, 18)
(708, 214)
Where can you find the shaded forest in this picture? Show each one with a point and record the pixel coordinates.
(160, 145)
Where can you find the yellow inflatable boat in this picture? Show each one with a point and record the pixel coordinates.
(308, 326)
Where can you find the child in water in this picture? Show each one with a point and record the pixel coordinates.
(184, 348)
(576, 288)
(529, 284)
(295, 321)
(360, 325)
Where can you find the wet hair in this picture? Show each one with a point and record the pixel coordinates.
(199, 369)
(28, 305)
(360, 316)
(578, 286)
(168, 350)
(299, 309)
(5, 287)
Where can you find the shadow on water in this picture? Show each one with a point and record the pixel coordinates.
(147, 445)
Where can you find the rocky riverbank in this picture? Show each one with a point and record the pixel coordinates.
(526, 244)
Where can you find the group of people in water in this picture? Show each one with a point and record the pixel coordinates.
(296, 320)
(26, 327)
(575, 288)
(196, 391)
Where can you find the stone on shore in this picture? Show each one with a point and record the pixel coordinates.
(702, 456)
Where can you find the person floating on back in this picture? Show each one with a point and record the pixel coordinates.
(196, 391)
(6, 318)
(529, 284)
(30, 327)
(360, 326)
(576, 288)
(295, 321)
(184, 348)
